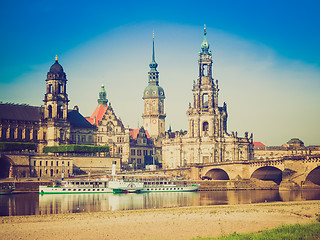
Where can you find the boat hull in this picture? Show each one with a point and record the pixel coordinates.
(71, 190)
(191, 188)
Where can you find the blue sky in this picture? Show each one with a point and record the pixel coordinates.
(266, 58)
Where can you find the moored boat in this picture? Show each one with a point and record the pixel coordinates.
(150, 183)
(77, 186)
(7, 189)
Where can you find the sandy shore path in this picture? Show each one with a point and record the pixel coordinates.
(176, 223)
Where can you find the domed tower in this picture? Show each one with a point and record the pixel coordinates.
(56, 105)
(153, 96)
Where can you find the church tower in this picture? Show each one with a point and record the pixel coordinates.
(56, 106)
(206, 119)
(153, 96)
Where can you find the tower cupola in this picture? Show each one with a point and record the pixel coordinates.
(205, 44)
(153, 96)
(103, 96)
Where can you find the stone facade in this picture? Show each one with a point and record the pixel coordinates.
(207, 139)
(133, 146)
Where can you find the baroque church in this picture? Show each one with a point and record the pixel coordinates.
(50, 125)
(207, 139)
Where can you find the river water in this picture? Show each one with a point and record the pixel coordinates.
(35, 204)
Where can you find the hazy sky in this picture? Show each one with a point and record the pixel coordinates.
(266, 58)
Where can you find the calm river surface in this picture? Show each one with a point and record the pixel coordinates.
(35, 204)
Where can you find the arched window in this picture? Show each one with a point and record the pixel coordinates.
(50, 88)
(205, 100)
(205, 126)
(205, 70)
(50, 111)
(60, 88)
(60, 111)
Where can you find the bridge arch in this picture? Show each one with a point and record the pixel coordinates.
(217, 174)
(268, 173)
(314, 176)
(5, 165)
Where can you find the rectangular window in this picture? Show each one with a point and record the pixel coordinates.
(133, 152)
(35, 135)
(139, 160)
(145, 152)
(139, 152)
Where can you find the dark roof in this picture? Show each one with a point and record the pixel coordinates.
(77, 120)
(19, 112)
(56, 68)
(295, 140)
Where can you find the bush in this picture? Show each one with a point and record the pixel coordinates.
(75, 149)
(16, 146)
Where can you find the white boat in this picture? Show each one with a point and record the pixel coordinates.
(125, 186)
(77, 186)
(168, 186)
(150, 183)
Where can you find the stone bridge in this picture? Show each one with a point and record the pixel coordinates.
(294, 170)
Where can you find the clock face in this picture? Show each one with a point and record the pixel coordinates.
(154, 121)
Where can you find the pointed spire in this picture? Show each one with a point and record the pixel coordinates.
(153, 60)
(153, 65)
(205, 44)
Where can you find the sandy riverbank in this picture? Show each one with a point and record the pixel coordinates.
(177, 223)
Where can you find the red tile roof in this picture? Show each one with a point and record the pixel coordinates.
(134, 133)
(258, 144)
(97, 114)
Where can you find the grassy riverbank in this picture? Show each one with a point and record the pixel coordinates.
(167, 223)
(291, 232)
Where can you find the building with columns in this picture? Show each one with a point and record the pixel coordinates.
(207, 139)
